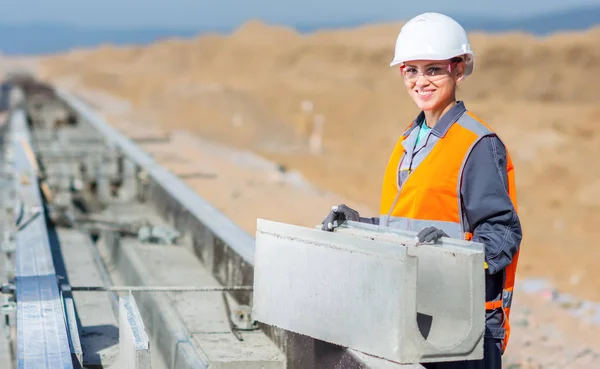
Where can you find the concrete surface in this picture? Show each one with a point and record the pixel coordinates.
(363, 290)
(203, 314)
(134, 347)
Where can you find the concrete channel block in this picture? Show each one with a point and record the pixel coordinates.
(202, 313)
(372, 290)
(97, 323)
(191, 329)
(134, 346)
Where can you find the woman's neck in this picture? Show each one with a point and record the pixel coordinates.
(433, 116)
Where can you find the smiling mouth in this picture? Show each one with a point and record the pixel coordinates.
(425, 93)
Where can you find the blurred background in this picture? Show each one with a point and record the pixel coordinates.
(306, 85)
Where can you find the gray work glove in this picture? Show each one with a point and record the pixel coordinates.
(430, 235)
(339, 214)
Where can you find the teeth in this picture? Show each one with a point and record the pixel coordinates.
(424, 93)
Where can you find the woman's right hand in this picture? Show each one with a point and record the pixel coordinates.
(338, 215)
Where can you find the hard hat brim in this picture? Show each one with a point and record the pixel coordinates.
(437, 57)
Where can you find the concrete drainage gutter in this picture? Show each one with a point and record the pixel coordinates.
(160, 320)
(189, 329)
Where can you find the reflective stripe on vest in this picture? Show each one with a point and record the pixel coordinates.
(431, 195)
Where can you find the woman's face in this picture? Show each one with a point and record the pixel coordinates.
(432, 84)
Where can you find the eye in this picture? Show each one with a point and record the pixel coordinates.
(433, 71)
(411, 71)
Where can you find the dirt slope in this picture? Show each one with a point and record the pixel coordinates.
(247, 90)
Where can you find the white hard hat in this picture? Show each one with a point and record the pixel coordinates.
(433, 36)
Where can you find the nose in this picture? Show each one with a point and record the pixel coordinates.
(421, 81)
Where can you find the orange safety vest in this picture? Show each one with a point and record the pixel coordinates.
(431, 194)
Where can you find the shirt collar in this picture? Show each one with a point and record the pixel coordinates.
(448, 119)
(445, 122)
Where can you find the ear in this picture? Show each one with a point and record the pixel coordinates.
(460, 71)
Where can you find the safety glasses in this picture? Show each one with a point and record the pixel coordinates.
(432, 73)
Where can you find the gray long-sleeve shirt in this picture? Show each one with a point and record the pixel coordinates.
(487, 205)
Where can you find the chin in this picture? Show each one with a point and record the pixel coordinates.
(426, 105)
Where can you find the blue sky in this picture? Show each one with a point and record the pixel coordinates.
(203, 13)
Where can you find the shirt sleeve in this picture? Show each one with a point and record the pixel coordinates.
(372, 220)
(489, 210)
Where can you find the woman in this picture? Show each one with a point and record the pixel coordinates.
(449, 174)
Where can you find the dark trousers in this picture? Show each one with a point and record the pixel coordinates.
(492, 358)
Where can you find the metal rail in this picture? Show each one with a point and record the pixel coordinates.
(42, 336)
(159, 288)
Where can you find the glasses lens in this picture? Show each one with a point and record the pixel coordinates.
(410, 73)
(434, 72)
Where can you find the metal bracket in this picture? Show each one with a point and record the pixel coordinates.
(8, 307)
(8, 288)
(142, 184)
(8, 245)
(240, 319)
(65, 288)
(9, 312)
(143, 230)
(33, 213)
(156, 234)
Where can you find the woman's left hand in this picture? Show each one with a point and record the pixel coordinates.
(430, 235)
